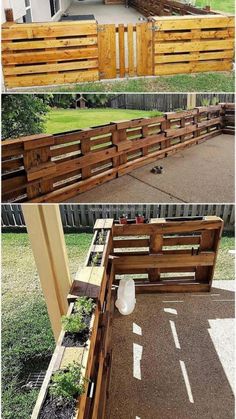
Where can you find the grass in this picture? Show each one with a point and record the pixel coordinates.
(223, 6)
(27, 340)
(60, 120)
(202, 82)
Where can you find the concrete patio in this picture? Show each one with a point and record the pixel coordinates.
(202, 173)
(104, 13)
(173, 357)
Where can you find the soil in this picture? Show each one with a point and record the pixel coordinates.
(77, 339)
(53, 408)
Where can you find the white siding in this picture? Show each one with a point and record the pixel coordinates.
(40, 10)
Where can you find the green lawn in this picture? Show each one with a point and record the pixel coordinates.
(202, 82)
(60, 120)
(222, 5)
(27, 340)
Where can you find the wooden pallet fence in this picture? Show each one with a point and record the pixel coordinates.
(193, 44)
(229, 118)
(166, 8)
(38, 54)
(53, 168)
(168, 255)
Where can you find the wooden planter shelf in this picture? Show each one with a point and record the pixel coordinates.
(38, 169)
(174, 255)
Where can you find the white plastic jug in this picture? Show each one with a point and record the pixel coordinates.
(126, 296)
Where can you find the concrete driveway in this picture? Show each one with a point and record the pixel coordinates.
(173, 357)
(202, 173)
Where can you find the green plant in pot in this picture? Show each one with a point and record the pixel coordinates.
(67, 383)
(84, 306)
(73, 323)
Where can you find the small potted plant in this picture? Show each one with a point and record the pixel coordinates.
(139, 219)
(123, 219)
(65, 387)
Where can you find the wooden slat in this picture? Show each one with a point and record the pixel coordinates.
(107, 51)
(130, 34)
(48, 30)
(144, 35)
(121, 33)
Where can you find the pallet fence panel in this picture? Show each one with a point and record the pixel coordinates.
(76, 216)
(35, 54)
(53, 168)
(193, 44)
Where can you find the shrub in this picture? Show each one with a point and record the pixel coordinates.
(73, 323)
(67, 383)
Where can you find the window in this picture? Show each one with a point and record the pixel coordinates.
(28, 15)
(54, 6)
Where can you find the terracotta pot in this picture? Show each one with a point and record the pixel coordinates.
(123, 220)
(139, 219)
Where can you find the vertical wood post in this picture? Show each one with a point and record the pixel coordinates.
(191, 100)
(156, 244)
(9, 15)
(48, 245)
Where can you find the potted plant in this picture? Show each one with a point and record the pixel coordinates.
(65, 387)
(139, 219)
(123, 219)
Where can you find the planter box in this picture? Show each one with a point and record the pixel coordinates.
(65, 355)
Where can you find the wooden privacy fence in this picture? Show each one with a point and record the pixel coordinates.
(74, 217)
(53, 168)
(35, 54)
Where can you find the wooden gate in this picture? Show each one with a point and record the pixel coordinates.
(125, 50)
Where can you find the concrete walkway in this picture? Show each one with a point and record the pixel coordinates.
(104, 13)
(173, 357)
(202, 173)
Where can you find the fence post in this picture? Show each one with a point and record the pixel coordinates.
(156, 243)
(38, 164)
(47, 241)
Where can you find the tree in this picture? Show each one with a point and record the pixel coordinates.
(23, 114)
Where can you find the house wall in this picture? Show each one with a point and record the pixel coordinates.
(40, 10)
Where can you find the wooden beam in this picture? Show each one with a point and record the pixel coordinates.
(191, 100)
(46, 236)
